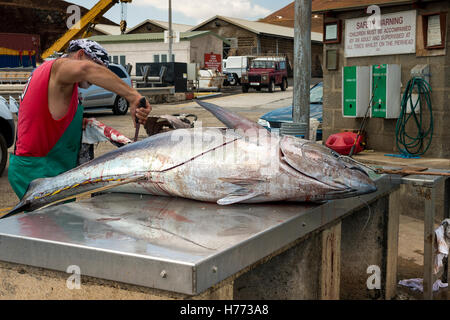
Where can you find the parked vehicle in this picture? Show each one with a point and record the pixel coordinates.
(272, 120)
(97, 97)
(266, 72)
(7, 130)
(234, 67)
(209, 80)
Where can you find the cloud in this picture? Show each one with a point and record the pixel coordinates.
(201, 10)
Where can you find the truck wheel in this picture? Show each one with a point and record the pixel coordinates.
(233, 81)
(3, 153)
(120, 106)
(272, 86)
(244, 88)
(283, 85)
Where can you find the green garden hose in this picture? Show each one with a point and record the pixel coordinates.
(418, 140)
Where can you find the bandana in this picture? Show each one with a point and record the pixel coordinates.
(92, 49)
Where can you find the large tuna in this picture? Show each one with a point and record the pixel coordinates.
(246, 165)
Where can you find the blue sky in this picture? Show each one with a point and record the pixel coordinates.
(190, 12)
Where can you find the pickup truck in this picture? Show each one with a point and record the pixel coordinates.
(266, 72)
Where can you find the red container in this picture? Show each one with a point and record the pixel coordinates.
(342, 143)
(20, 41)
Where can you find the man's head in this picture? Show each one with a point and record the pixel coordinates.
(87, 49)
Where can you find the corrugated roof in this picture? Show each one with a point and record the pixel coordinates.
(261, 28)
(108, 29)
(164, 25)
(149, 37)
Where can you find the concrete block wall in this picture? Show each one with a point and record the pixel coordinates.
(381, 132)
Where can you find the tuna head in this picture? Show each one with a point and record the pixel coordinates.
(344, 176)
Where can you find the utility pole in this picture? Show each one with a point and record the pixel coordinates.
(302, 71)
(170, 31)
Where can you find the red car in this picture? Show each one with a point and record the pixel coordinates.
(266, 72)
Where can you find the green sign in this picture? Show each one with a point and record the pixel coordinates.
(379, 90)
(349, 94)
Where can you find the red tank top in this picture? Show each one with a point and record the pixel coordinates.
(37, 131)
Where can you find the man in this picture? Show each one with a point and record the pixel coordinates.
(50, 118)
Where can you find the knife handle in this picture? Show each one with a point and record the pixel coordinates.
(142, 104)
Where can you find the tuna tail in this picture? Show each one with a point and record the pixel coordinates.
(230, 119)
(26, 204)
(20, 207)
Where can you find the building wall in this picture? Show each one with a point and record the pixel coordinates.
(192, 51)
(246, 40)
(247, 44)
(148, 28)
(381, 132)
(200, 46)
(136, 52)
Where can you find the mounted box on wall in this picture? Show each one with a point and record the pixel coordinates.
(355, 91)
(385, 83)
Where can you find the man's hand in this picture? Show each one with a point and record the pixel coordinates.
(140, 113)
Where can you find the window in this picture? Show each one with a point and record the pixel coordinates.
(282, 65)
(434, 26)
(118, 59)
(122, 60)
(316, 94)
(162, 58)
(262, 64)
(117, 71)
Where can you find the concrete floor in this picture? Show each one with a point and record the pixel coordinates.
(253, 105)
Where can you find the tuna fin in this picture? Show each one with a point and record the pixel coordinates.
(241, 182)
(230, 119)
(240, 195)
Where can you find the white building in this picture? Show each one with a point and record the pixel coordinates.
(150, 47)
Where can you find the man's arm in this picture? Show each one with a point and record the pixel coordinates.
(66, 72)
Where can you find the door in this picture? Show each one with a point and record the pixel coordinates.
(278, 74)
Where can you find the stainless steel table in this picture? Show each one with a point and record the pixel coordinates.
(172, 244)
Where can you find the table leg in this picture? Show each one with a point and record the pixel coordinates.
(430, 197)
(392, 251)
(331, 263)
